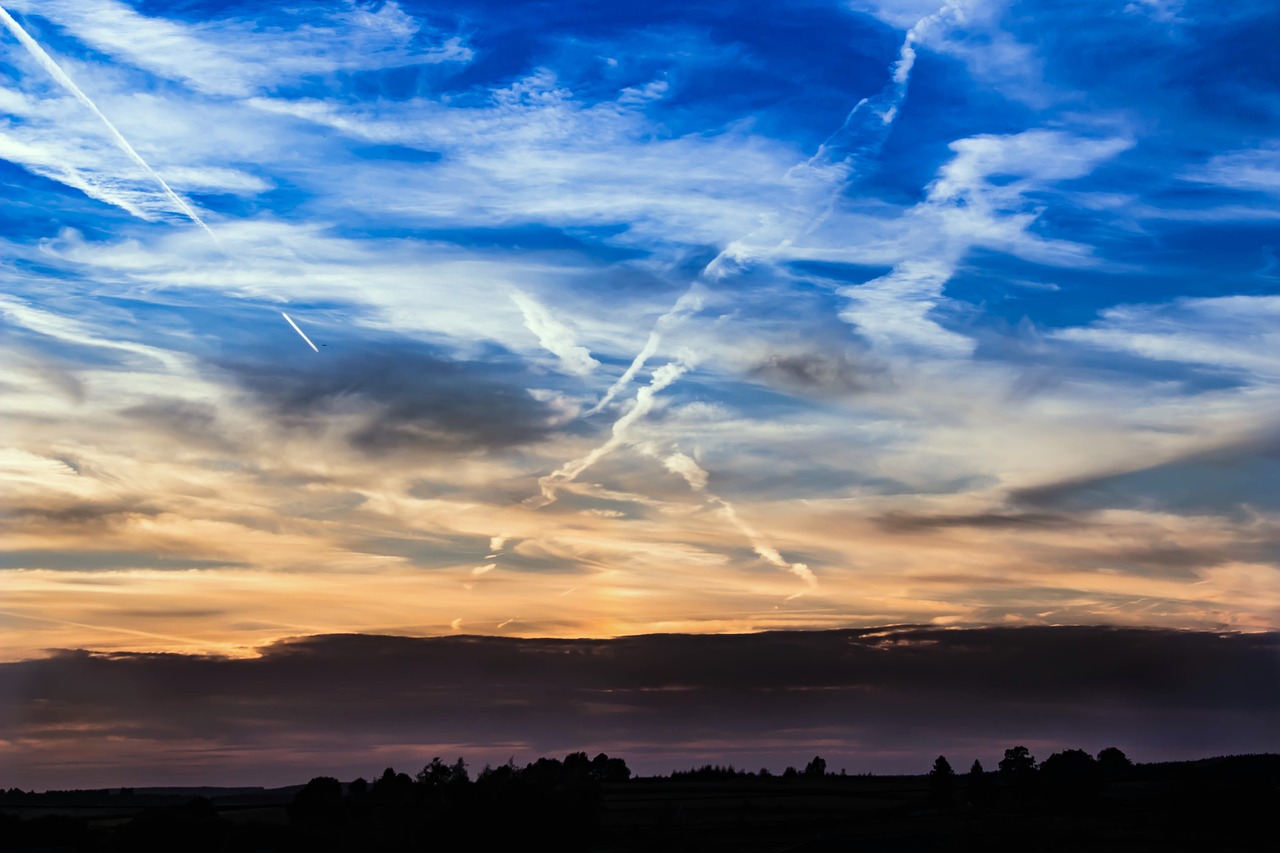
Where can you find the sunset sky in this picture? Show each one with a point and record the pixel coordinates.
(631, 318)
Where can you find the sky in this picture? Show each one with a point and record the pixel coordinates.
(545, 321)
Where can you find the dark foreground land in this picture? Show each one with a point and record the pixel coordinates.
(1218, 804)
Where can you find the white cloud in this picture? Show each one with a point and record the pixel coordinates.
(693, 474)
(646, 399)
(1230, 332)
(239, 58)
(1253, 169)
(554, 336)
(979, 199)
(972, 32)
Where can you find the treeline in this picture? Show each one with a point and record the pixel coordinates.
(1072, 775)
(546, 800)
(580, 802)
(815, 769)
(504, 805)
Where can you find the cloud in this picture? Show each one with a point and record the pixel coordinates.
(395, 397)
(79, 561)
(818, 372)
(620, 433)
(696, 477)
(1053, 277)
(974, 32)
(877, 699)
(979, 198)
(1237, 333)
(907, 522)
(687, 304)
(240, 57)
(679, 463)
(67, 83)
(1233, 478)
(1252, 170)
(554, 336)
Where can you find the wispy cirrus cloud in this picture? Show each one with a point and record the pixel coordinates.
(237, 58)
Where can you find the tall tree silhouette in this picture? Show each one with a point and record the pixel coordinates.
(942, 782)
(979, 785)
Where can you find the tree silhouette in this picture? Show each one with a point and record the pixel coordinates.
(320, 794)
(606, 769)
(816, 767)
(942, 781)
(393, 789)
(1018, 762)
(980, 788)
(438, 774)
(1070, 776)
(1018, 769)
(317, 808)
(1113, 764)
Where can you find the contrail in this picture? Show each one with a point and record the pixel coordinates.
(863, 136)
(55, 71)
(568, 472)
(685, 305)
(113, 628)
(884, 105)
(696, 477)
(299, 331)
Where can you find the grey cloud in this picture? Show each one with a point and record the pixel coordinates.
(1220, 481)
(166, 615)
(424, 551)
(77, 514)
(817, 372)
(863, 694)
(95, 560)
(404, 396)
(906, 522)
(193, 422)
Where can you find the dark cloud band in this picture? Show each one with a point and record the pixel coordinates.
(874, 698)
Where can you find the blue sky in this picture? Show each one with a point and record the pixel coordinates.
(637, 317)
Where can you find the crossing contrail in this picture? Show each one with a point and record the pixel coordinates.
(684, 306)
(859, 139)
(55, 71)
(645, 401)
